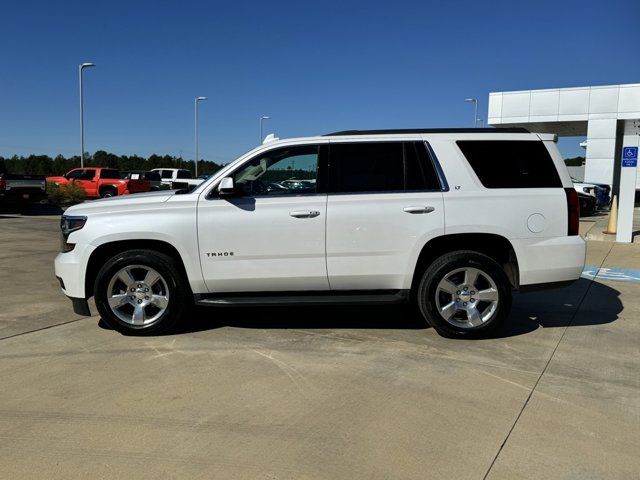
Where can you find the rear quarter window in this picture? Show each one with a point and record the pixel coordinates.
(511, 163)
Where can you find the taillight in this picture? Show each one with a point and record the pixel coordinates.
(573, 211)
(3, 184)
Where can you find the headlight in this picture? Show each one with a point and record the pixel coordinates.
(69, 224)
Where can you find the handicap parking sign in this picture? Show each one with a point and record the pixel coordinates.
(630, 156)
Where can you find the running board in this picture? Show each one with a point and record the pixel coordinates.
(302, 298)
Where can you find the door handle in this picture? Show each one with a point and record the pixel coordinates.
(304, 213)
(424, 209)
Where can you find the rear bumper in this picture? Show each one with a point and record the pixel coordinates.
(549, 260)
(25, 196)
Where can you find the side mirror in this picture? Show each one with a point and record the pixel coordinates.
(226, 187)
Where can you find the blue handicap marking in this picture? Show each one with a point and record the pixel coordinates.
(619, 274)
(630, 156)
(591, 272)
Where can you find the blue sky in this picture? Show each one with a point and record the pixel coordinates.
(314, 67)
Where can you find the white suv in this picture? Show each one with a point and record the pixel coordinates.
(452, 219)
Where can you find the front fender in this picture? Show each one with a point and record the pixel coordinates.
(171, 223)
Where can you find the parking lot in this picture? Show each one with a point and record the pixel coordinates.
(311, 393)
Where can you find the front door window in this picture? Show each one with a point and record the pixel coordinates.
(284, 171)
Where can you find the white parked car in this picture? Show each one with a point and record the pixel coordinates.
(581, 187)
(598, 190)
(453, 220)
(177, 177)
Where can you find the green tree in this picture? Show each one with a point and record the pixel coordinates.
(45, 165)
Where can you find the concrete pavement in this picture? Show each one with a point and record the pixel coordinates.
(314, 393)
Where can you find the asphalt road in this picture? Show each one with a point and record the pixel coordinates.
(315, 393)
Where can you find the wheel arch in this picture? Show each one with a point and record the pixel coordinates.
(108, 250)
(494, 246)
(104, 188)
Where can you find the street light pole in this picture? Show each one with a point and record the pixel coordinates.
(475, 110)
(263, 117)
(81, 67)
(195, 105)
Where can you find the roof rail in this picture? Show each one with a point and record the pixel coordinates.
(427, 130)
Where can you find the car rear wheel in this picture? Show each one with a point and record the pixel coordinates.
(108, 192)
(464, 294)
(141, 292)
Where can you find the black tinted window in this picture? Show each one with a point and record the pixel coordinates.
(75, 174)
(152, 176)
(109, 174)
(419, 171)
(366, 167)
(86, 174)
(511, 164)
(184, 174)
(381, 167)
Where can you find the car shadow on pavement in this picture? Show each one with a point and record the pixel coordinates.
(579, 305)
(300, 316)
(545, 309)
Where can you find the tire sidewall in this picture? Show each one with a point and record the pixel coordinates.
(165, 267)
(446, 264)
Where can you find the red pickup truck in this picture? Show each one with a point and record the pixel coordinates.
(102, 182)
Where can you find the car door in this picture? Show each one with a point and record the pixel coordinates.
(385, 202)
(270, 236)
(88, 181)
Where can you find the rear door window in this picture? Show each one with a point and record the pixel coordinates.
(109, 174)
(420, 173)
(167, 174)
(381, 167)
(366, 167)
(511, 163)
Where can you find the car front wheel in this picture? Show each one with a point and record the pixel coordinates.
(464, 294)
(140, 292)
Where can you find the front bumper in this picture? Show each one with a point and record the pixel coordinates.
(71, 269)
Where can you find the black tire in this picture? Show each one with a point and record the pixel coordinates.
(108, 193)
(442, 267)
(178, 291)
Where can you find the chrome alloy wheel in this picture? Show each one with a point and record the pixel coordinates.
(138, 295)
(467, 297)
